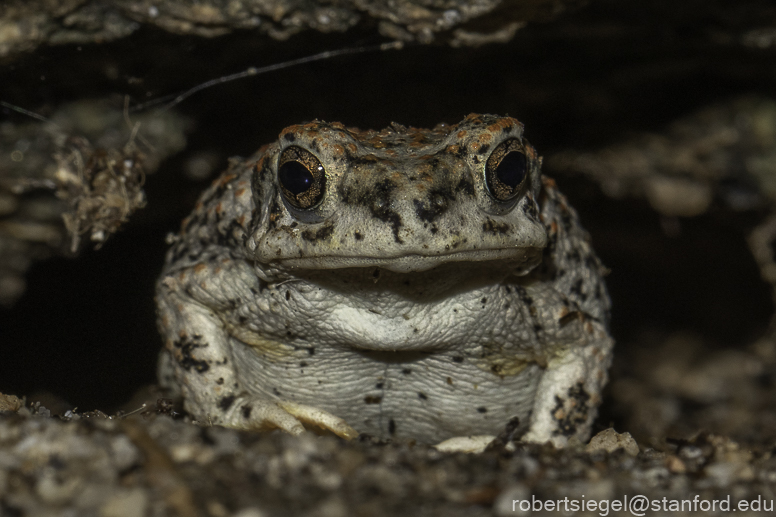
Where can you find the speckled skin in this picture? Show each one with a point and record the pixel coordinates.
(408, 302)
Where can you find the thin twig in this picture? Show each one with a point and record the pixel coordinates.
(252, 71)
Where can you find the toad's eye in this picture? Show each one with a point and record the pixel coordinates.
(301, 177)
(506, 170)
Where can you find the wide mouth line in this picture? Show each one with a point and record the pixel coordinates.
(411, 261)
(486, 251)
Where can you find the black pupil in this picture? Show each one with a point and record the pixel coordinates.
(295, 177)
(511, 170)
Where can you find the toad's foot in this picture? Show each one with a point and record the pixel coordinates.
(470, 444)
(262, 415)
(312, 416)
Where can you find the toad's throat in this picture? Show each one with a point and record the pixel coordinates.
(518, 258)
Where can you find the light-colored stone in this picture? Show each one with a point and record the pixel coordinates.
(610, 440)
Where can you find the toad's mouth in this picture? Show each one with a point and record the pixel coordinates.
(522, 258)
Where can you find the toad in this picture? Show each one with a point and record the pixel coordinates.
(404, 283)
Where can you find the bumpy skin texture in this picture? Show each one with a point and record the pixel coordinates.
(407, 301)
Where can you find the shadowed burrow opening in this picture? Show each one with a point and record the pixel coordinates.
(685, 291)
(84, 332)
(85, 329)
(693, 274)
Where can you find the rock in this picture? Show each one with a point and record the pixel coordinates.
(10, 403)
(610, 440)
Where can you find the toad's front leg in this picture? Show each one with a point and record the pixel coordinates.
(197, 364)
(569, 392)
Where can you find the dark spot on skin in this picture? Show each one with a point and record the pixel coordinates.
(302, 364)
(572, 412)
(484, 149)
(576, 288)
(290, 137)
(495, 228)
(220, 381)
(180, 250)
(593, 263)
(571, 316)
(421, 210)
(565, 218)
(422, 396)
(406, 371)
(242, 319)
(379, 385)
(231, 236)
(379, 203)
(523, 295)
(465, 186)
(457, 359)
(529, 209)
(358, 236)
(276, 392)
(288, 295)
(394, 219)
(434, 205)
(484, 301)
(458, 151)
(345, 194)
(482, 409)
(186, 360)
(274, 214)
(196, 220)
(217, 193)
(373, 399)
(311, 351)
(320, 234)
(246, 411)
(226, 402)
(391, 427)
